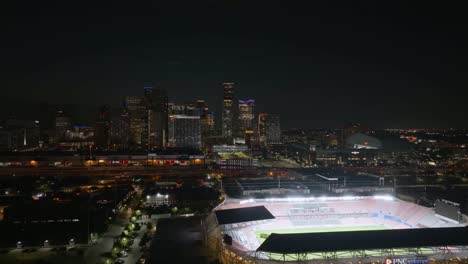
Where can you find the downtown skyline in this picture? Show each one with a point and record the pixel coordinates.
(233, 132)
(399, 65)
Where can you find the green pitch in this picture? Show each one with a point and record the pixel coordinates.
(263, 234)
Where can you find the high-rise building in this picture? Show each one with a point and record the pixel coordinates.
(269, 128)
(156, 118)
(136, 114)
(120, 130)
(206, 117)
(102, 129)
(62, 125)
(274, 129)
(228, 110)
(184, 126)
(246, 115)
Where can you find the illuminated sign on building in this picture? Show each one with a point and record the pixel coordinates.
(406, 261)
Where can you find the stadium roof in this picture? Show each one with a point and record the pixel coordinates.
(239, 215)
(359, 240)
(360, 140)
(268, 183)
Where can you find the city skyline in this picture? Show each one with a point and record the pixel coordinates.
(386, 66)
(233, 132)
(84, 114)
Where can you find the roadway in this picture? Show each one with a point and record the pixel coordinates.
(96, 253)
(171, 171)
(43, 255)
(100, 170)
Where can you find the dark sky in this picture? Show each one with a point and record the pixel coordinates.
(319, 65)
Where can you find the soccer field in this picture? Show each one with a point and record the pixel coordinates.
(263, 234)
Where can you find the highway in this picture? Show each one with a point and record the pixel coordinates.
(177, 171)
(100, 170)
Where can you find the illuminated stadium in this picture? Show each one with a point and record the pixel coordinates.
(367, 229)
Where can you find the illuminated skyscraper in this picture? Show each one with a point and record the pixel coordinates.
(269, 128)
(156, 119)
(62, 124)
(184, 126)
(102, 129)
(228, 110)
(206, 117)
(246, 114)
(136, 113)
(262, 127)
(120, 130)
(274, 129)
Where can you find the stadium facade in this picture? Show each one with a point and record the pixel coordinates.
(366, 229)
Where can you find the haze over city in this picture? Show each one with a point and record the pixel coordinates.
(233, 132)
(399, 65)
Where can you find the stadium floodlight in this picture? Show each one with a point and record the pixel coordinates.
(297, 199)
(247, 201)
(349, 198)
(383, 197)
(293, 199)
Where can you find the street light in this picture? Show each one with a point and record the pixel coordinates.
(115, 251)
(124, 241)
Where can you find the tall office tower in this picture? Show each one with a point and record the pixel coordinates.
(136, 113)
(184, 126)
(156, 118)
(206, 117)
(120, 130)
(228, 110)
(274, 129)
(246, 115)
(269, 128)
(62, 124)
(102, 129)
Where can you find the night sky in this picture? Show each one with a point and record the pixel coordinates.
(318, 65)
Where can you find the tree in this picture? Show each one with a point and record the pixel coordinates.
(115, 251)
